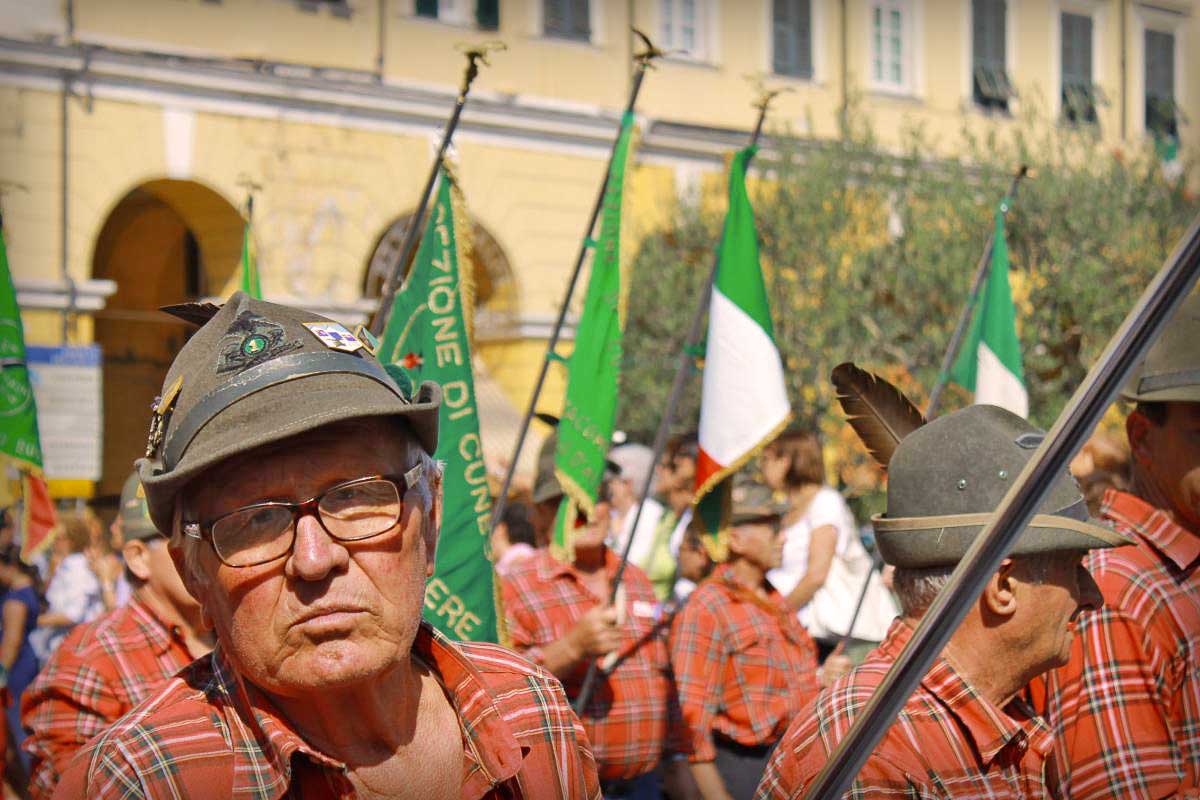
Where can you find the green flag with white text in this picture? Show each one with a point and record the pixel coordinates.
(428, 335)
(589, 411)
(989, 363)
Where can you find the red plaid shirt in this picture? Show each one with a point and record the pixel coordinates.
(947, 741)
(743, 664)
(1126, 709)
(208, 734)
(99, 672)
(632, 714)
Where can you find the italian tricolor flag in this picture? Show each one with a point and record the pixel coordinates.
(990, 361)
(744, 404)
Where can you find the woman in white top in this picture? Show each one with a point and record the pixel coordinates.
(824, 562)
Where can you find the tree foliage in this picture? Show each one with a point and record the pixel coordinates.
(869, 257)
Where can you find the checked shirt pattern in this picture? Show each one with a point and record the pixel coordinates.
(1126, 708)
(947, 741)
(743, 665)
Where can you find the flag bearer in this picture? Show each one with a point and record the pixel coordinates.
(1127, 707)
(743, 664)
(967, 731)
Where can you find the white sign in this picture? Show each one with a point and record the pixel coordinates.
(67, 390)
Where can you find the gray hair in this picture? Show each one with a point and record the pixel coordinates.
(917, 587)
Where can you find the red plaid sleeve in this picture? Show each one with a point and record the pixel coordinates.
(698, 660)
(98, 673)
(1126, 707)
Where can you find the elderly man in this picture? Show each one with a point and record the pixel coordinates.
(743, 663)
(108, 666)
(558, 616)
(1126, 708)
(295, 477)
(966, 732)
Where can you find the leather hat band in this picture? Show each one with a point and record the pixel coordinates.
(270, 373)
(1171, 380)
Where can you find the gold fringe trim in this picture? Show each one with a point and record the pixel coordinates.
(743, 459)
(464, 246)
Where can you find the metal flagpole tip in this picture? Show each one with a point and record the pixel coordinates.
(650, 52)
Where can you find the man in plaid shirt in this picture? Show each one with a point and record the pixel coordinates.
(1126, 708)
(296, 477)
(559, 617)
(967, 731)
(106, 667)
(743, 664)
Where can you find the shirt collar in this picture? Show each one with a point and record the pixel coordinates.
(991, 728)
(1154, 525)
(550, 567)
(157, 633)
(489, 746)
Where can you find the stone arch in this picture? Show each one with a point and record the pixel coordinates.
(496, 295)
(164, 241)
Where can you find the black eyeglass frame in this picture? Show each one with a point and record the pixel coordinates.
(403, 483)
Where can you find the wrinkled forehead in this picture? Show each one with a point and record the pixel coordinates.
(305, 464)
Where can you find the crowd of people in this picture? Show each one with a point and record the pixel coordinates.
(251, 623)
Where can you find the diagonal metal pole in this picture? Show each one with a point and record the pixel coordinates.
(960, 330)
(1139, 330)
(475, 56)
(682, 371)
(643, 60)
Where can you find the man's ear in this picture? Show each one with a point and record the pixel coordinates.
(999, 596)
(137, 558)
(1137, 430)
(737, 541)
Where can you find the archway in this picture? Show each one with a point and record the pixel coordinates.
(496, 316)
(166, 241)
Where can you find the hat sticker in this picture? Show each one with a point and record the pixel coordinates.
(250, 341)
(335, 336)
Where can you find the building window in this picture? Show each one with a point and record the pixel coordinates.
(1162, 116)
(891, 45)
(792, 24)
(567, 19)
(684, 27)
(991, 87)
(486, 14)
(1079, 94)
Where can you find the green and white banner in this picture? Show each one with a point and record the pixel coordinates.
(990, 361)
(428, 334)
(590, 410)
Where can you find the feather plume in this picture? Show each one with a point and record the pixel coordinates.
(879, 412)
(195, 313)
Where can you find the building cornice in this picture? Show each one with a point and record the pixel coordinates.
(347, 99)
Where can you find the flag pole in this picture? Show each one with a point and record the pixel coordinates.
(1086, 407)
(475, 56)
(682, 371)
(643, 59)
(960, 330)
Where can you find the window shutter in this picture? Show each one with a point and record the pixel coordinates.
(802, 11)
(554, 17)
(581, 27)
(1160, 83)
(427, 8)
(792, 27)
(487, 14)
(1076, 49)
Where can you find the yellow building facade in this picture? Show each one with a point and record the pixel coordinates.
(132, 132)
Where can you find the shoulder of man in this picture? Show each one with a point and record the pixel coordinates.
(140, 754)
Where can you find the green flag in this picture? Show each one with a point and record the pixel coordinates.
(250, 282)
(428, 335)
(589, 411)
(20, 445)
(989, 363)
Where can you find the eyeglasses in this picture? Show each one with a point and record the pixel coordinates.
(349, 512)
